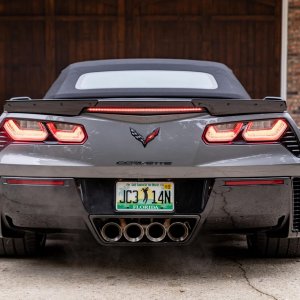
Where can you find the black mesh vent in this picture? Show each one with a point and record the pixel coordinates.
(291, 142)
(4, 139)
(296, 204)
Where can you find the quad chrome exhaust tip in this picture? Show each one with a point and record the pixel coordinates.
(178, 231)
(133, 232)
(156, 232)
(111, 232)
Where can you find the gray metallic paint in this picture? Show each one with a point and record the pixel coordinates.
(240, 207)
(180, 142)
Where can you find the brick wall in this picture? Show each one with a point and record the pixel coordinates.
(293, 76)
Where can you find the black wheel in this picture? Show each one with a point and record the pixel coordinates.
(31, 244)
(264, 246)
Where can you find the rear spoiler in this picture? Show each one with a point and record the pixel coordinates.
(216, 107)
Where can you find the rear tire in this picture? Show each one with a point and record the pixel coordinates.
(31, 244)
(264, 246)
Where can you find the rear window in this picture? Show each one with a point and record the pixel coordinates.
(135, 79)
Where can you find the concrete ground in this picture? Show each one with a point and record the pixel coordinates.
(218, 269)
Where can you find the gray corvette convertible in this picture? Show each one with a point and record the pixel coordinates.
(149, 152)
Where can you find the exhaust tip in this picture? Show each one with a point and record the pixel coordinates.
(111, 232)
(156, 232)
(133, 232)
(178, 232)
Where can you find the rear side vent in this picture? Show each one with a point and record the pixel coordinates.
(290, 141)
(296, 204)
(4, 139)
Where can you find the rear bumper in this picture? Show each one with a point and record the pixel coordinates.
(222, 209)
(43, 207)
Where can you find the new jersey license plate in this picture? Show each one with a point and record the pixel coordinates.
(145, 196)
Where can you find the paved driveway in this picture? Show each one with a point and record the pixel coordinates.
(218, 269)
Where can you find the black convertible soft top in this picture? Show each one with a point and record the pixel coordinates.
(228, 85)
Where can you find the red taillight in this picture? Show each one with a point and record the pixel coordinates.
(67, 133)
(265, 130)
(270, 130)
(26, 130)
(253, 182)
(223, 133)
(144, 110)
(35, 182)
(36, 131)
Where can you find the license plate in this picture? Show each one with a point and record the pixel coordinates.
(145, 196)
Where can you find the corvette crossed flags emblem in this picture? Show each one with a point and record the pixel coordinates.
(150, 137)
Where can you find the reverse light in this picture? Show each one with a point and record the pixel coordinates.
(25, 130)
(265, 130)
(223, 133)
(67, 133)
(144, 110)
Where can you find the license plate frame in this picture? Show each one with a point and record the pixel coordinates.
(162, 200)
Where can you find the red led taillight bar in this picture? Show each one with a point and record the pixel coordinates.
(35, 182)
(144, 110)
(253, 182)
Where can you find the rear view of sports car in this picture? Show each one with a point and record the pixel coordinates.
(146, 152)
